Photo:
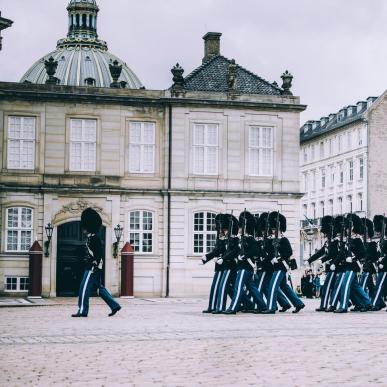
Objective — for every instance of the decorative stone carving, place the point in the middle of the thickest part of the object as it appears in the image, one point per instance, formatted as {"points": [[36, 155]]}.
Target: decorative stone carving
{"points": [[287, 79], [178, 80], [51, 65], [232, 75], [115, 72]]}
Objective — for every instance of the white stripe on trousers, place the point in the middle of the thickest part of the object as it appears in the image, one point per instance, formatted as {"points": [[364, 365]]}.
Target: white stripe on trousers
{"points": [[218, 273], [325, 304], [365, 279], [273, 289], [261, 281], [224, 285], [379, 289], [239, 289], [346, 289], [338, 289], [84, 291]]}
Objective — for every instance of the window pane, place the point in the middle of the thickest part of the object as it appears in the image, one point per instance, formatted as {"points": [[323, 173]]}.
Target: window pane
{"points": [[254, 161], [198, 159], [12, 240], [27, 157], [14, 153], [24, 282], [149, 133], [14, 127], [90, 130], [199, 221], [89, 156], [254, 137], [29, 128], [134, 220], [148, 159], [13, 217], [134, 240], [266, 161], [212, 160], [25, 243], [211, 221], [212, 135], [75, 130], [26, 218], [147, 243], [147, 221], [134, 158], [210, 244], [75, 156], [198, 135], [198, 243], [266, 137], [135, 133]]}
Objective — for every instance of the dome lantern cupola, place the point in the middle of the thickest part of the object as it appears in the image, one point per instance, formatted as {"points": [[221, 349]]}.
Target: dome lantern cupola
{"points": [[83, 59]]}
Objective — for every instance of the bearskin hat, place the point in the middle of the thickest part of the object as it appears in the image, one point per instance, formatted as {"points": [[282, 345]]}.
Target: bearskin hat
{"points": [[357, 224], [91, 220], [339, 224], [378, 222], [227, 220], [257, 227], [261, 224], [218, 221], [326, 225], [247, 222], [273, 216], [369, 227]]}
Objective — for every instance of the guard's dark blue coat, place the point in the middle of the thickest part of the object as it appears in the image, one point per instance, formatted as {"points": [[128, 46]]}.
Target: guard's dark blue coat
{"points": [[249, 249], [217, 252], [327, 253], [284, 253], [94, 252], [230, 257], [371, 257]]}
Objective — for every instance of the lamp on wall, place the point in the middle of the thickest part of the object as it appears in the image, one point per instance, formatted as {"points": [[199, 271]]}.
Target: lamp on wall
{"points": [[118, 232], [48, 230]]}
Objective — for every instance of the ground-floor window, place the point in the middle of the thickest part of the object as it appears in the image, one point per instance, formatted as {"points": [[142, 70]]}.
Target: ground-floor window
{"points": [[141, 231], [204, 232], [16, 284]]}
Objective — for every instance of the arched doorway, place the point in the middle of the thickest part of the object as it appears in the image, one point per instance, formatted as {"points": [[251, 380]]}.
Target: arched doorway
{"points": [[69, 268]]}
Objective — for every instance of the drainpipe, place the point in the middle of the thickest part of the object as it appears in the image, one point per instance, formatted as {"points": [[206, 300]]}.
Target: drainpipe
{"points": [[169, 198]]}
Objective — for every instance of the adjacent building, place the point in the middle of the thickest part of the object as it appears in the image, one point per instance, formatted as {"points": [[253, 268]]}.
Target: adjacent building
{"points": [[81, 130], [4, 23], [342, 166]]}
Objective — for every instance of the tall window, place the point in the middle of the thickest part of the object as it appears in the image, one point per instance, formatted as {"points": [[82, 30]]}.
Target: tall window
{"points": [[359, 137], [330, 206], [321, 150], [361, 168], [305, 155], [18, 229], [330, 147], [341, 173], [349, 140], [322, 178], [205, 149], [351, 170], [340, 203], [332, 174], [142, 147], [349, 203], [83, 145], [340, 143], [322, 208], [314, 180], [312, 153], [360, 201], [260, 151], [313, 206], [204, 232], [141, 231], [305, 182], [21, 142]]}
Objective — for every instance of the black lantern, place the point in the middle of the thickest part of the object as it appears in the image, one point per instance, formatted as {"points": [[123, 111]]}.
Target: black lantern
{"points": [[48, 230], [118, 232]]}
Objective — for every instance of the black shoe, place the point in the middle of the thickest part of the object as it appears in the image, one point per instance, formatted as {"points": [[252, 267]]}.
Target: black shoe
{"points": [[216, 312], [356, 309], [299, 308], [207, 311], [78, 315], [229, 312], [364, 309], [330, 309], [341, 310], [320, 310], [268, 311], [114, 311], [375, 309], [284, 309]]}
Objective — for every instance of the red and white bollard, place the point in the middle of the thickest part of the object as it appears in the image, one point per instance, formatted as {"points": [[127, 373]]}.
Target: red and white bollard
{"points": [[35, 271], [127, 273]]}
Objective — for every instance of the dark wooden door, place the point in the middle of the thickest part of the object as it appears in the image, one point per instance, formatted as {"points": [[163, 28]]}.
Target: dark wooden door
{"points": [[69, 267]]}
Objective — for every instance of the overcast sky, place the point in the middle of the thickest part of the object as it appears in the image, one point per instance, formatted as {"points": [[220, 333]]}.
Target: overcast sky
{"points": [[336, 49]]}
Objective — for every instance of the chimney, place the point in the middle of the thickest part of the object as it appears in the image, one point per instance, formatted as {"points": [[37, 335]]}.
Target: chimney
{"points": [[211, 45]]}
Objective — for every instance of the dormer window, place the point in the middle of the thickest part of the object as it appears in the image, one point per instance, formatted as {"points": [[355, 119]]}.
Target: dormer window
{"points": [[90, 82]]}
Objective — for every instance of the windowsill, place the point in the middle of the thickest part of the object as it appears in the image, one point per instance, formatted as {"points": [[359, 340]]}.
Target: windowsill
{"points": [[19, 170], [196, 257]]}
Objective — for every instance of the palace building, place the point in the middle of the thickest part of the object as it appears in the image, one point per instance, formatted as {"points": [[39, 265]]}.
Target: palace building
{"points": [[342, 166], [80, 130]]}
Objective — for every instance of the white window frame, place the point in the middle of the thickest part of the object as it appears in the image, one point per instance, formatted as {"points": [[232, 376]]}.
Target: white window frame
{"points": [[350, 170], [19, 229], [18, 284], [22, 141], [361, 168], [204, 233], [260, 148], [322, 150], [83, 141], [144, 145], [323, 178], [360, 201], [141, 231], [206, 146]]}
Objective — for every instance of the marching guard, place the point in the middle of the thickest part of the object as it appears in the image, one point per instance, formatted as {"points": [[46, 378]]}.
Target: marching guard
{"points": [[91, 223]]}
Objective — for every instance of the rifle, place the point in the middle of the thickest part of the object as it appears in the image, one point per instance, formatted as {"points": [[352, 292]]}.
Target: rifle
{"points": [[381, 242], [349, 236], [275, 240]]}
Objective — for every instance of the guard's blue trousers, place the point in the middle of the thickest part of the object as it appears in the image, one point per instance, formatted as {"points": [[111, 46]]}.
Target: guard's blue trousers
{"points": [[351, 288], [245, 278], [278, 280], [262, 281], [367, 283], [327, 289], [214, 290], [381, 280], [335, 295], [90, 279]]}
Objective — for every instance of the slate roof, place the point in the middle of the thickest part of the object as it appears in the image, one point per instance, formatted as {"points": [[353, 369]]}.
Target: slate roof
{"points": [[336, 121], [212, 76]]}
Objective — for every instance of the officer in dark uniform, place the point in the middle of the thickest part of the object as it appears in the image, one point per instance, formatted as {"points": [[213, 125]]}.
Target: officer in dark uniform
{"points": [[327, 252], [217, 252], [265, 268], [355, 254], [370, 264], [228, 261], [281, 263], [380, 223], [246, 265], [90, 224]]}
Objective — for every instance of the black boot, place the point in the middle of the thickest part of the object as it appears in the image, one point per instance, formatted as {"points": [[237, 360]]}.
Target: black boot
{"points": [[284, 309], [78, 315], [114, 311], [320, 310], [228, 311], [299, 308], [331, 309], [341, 310], [268, 311], [207, 311]]}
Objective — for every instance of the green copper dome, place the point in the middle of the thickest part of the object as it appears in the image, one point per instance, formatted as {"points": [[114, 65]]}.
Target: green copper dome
{"points": [[83, 59]]}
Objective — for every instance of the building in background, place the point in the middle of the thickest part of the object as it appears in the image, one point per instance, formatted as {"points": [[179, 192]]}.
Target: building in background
{"points": [[4, 23], [342, 167], [80, 130]]}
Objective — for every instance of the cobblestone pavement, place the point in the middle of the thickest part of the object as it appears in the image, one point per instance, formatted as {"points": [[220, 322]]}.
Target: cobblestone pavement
{"points": [[169, 342]]}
